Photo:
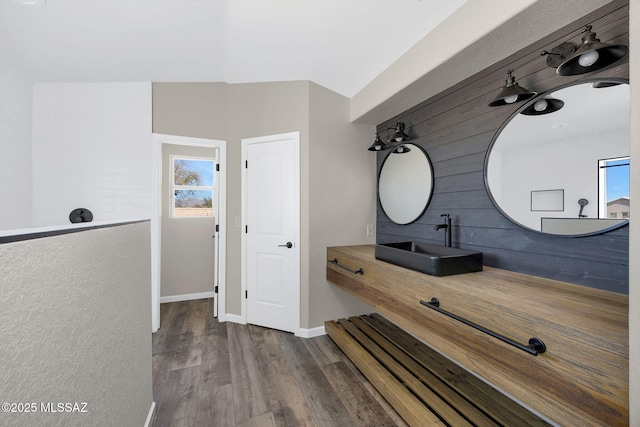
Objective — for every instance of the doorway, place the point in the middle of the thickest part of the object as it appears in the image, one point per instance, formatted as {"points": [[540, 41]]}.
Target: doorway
{"points": [[271, 235], [188, 222]]}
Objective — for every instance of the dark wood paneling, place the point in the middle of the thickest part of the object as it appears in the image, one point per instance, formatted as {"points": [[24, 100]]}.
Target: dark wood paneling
{"points": [[456, 127]]}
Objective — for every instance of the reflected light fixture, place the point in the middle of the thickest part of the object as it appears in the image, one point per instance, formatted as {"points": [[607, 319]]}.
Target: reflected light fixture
{"points": [[511, 92], [591, 55], [401, 149], [544, 105], [378, 144], [604, 84]]}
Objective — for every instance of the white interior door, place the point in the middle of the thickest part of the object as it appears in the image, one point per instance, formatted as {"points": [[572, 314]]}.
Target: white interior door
{"points": [[272, 217]]}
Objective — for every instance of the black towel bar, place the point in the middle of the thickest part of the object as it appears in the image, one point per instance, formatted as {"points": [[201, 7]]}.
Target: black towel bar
{"points": [[535, 347], [335, 262]]}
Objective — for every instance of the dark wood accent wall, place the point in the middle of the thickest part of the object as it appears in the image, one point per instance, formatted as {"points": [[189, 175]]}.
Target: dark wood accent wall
{"points": [[456, 127]]}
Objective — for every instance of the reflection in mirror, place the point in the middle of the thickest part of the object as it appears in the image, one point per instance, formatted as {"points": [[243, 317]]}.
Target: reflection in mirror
{"points": [[405, 184], [566, 172]]}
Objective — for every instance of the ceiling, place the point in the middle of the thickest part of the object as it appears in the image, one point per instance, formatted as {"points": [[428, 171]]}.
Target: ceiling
{"points": [[339, 44]]}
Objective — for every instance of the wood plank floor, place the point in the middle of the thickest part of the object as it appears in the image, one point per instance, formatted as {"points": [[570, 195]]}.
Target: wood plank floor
{"points": [[207, 373]]}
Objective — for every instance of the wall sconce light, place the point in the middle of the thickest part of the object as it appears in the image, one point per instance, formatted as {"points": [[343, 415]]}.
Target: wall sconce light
{"points": [[392, 142], [591, 55], [544, 105], [378, 144], [511, 92], [398, 135]]}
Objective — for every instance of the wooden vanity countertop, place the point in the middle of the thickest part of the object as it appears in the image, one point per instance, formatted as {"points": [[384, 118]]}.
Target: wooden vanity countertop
{"points": [[581, 380]]}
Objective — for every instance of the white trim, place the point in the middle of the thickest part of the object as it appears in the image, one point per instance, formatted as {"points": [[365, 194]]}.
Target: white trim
{"points": [[156, 200], [187, 297], [243, 236], [311, 333], [233, 318], [150, 415], [243, 258]]}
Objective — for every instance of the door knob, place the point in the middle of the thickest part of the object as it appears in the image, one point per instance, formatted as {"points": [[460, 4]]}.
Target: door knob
{"points": [[288, 245]]}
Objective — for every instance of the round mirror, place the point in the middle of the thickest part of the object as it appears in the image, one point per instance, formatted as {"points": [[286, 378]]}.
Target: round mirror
{"points": [[560, 164], [405, 183]]}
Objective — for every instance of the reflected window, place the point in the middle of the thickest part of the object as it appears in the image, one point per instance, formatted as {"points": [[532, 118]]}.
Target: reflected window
{"points": [[192, 186], [613, 184]]}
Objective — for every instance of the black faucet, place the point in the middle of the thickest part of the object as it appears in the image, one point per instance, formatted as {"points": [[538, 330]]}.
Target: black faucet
{"points": [[447, 229]]}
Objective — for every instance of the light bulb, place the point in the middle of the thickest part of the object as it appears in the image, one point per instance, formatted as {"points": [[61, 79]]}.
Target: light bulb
{"points": [[400, 149], [377, 147], [540, 105], [399, 139], [588, 58], [511, 99]]}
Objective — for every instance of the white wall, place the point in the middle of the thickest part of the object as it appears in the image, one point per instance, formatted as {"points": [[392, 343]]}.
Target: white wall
{"points": [[91, 149], [15, 148]]}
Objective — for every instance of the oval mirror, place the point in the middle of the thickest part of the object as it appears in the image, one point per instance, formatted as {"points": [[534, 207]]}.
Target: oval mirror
{"points": [[560, 164], [405, 183]]}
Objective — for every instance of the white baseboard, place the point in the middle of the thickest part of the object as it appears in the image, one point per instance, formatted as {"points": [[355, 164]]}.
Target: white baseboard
{"points": [[311, 333], [301, 332], [152, 410], [233, 318], [187, 297]]}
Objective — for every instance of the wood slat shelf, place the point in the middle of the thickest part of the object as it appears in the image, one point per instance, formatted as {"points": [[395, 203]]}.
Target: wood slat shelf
{"points": [[425, 387], [581, 379]]}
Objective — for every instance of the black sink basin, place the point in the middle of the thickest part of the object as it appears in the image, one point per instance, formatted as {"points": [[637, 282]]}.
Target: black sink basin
{"points": [[431, 259]]}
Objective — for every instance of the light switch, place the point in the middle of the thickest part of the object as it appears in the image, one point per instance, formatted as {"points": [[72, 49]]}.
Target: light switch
{"points": [[370, 230]]}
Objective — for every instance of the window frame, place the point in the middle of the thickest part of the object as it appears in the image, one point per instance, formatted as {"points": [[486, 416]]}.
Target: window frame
{"points": [[602, 184], [174, 188]]}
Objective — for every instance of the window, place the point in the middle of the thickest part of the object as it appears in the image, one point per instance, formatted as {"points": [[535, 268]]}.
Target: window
{"points": [[613, 186], [192, 187]]}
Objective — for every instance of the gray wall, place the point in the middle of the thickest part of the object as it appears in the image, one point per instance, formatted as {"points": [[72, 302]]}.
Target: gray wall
{"points": [[334, 171], [75, 316], [257, 109], [199, 110], [341, 199], [456, 127]]}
